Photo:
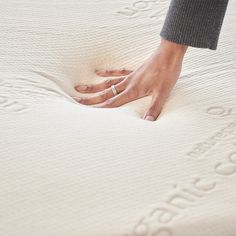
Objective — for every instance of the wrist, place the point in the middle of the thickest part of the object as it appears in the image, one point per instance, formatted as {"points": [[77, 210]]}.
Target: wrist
{"points": [[168, 56], [170, 53], [172, 48]]}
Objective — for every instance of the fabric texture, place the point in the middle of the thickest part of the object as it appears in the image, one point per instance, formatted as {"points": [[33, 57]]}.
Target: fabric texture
{"points": [[195, 23]]}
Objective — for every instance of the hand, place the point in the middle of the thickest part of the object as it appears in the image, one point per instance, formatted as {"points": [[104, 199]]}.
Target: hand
{"points": [[156, 77]]}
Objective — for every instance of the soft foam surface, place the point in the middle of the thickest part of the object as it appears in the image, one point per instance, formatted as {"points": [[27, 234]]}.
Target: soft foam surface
{"points": [[72, 170]]}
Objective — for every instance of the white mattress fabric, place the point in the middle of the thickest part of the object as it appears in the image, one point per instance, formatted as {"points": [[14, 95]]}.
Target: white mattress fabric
{"points": [[68, 169]]}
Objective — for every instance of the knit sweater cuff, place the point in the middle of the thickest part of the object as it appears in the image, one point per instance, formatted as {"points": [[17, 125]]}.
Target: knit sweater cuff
{"points": [[195, 23]]}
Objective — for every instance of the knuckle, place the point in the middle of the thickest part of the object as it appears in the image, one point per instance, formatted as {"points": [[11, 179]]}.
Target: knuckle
{"points": [[108, 82], [128, 78], [133, 92], [123, 70], [83, 100], [104, 94], [126, 81], [109, 102], [108, 72], [88, 88]]}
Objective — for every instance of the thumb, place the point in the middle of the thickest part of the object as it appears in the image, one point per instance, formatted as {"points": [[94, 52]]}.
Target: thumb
{"points": [[154, 109]]}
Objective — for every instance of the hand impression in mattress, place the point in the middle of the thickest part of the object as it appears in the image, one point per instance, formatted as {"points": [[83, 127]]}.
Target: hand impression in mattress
{"points": [[156, 77]]}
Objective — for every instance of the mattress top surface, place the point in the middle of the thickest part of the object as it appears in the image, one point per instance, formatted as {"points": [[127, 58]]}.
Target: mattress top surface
{"points": [[69, 169]]}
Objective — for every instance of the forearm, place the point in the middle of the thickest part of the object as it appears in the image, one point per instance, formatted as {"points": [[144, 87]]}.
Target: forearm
{"points": [[194, 23]]}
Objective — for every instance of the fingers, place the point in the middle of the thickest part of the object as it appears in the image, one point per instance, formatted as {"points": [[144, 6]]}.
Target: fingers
{"points": [[103, 96], [155, 108], [118, 100], [94, 88], [108, 73]]}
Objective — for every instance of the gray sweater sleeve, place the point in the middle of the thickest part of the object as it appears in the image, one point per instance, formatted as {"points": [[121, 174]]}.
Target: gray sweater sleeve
{"points": [[195, 23]]}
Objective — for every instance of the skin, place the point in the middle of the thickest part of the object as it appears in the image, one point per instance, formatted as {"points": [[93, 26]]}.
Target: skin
{"points": [[156, 77]]}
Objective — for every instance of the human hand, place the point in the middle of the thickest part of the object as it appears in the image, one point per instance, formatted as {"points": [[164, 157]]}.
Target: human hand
{"points": [[156, 77]]}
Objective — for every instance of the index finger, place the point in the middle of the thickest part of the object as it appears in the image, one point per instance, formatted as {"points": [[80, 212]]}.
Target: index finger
{"points": [[108, 73]]}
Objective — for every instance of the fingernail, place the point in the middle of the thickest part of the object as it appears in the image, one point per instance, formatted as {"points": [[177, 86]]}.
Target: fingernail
{"points": [[82, 87], [151, 118]]}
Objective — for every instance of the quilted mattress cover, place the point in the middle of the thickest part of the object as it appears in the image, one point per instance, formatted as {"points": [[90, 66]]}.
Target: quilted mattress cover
{"points": [[72, 170]]}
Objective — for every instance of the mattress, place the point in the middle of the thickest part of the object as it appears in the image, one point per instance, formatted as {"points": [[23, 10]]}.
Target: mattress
{"points": [[73, 170]]}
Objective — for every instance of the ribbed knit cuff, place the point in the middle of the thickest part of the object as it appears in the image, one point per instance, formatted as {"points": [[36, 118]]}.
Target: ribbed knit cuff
{"points": [[195, 23]]}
